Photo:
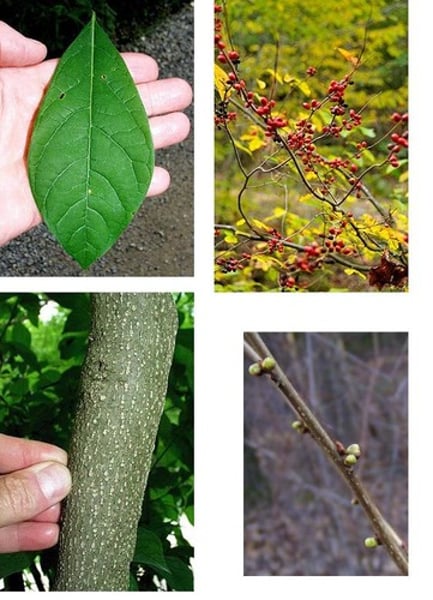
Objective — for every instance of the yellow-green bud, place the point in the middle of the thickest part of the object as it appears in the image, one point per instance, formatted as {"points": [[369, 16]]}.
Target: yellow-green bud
{"points": [[354, 449], [255, 369], [350, 460], [268, 364], [370, 542], [299, 426]]}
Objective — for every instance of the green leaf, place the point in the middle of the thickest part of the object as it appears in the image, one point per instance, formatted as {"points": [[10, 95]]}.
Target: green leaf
{"points": [[91, 155], [15, 562], [181, 578], [368, 132], [148, 551], [19, 387], [21, 335]]}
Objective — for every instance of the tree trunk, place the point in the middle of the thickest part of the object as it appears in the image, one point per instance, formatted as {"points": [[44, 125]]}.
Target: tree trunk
{"points": [[123, 387]]}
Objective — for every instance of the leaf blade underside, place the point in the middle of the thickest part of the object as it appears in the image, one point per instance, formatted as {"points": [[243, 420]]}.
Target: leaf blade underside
{"points": [[91, 155]]}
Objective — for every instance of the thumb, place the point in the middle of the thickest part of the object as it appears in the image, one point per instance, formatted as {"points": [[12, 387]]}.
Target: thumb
{"points": [[18, 51], [26, 493]]}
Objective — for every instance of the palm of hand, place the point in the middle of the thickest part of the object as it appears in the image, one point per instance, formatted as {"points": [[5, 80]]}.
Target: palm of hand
{"points": [[21, 90]]}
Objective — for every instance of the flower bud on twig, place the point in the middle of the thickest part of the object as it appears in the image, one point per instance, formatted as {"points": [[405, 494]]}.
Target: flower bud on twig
{"points": [[255, 369], [350, 460], [268, 364], [354, 449], [299, 427]]}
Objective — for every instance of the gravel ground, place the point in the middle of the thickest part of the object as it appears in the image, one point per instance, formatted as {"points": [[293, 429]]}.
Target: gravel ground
{"points": [[159, 241]]}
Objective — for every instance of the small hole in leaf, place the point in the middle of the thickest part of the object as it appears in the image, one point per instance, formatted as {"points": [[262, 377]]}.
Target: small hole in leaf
{"points": [[62, 95], [103, 77]]}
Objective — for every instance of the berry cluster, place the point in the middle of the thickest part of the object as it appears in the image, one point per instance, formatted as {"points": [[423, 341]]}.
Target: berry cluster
{"points": [[398, 141], [334, 243], [229, 265], [307, 139], [232, 264], [223, 115], [275, 243], [223, 56]]}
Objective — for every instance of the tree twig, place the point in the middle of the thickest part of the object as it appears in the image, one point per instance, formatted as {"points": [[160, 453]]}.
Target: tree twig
{"points": [[256, 350]]}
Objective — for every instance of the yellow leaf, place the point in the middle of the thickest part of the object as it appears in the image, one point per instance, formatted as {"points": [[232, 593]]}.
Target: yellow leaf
{"points": [[220, 78], [305, 88], [265, 262], [294, 82], [254, 139], [275, 75], [230, 237], [260, 224], [256, 143], [279, 212], [355, 272], [288, 78], [243, 148], [304, 197], [348, 56], [260, 84]]}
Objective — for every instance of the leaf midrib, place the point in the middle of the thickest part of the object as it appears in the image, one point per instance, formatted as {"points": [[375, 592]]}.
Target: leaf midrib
{"points": [[92, 73]]}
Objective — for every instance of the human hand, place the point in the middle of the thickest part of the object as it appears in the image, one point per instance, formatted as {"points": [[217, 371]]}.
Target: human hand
{"points": [[23, 77], [33, 481]]}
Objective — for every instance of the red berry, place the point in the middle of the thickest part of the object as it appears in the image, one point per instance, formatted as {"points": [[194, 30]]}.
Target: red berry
{"points": [[233, 55]]}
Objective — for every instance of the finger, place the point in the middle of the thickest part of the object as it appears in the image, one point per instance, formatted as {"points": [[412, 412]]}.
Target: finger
{"points": [[28, 536], [51, 515], [29, 492], [143, 68], [18, 51], [169, 129], [160, 182], [165, 96], [17, 453]]}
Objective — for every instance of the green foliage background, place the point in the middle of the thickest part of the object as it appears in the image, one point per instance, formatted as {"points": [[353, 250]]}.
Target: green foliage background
{"points": [[40, 362], [309, 33], [277, 42]]}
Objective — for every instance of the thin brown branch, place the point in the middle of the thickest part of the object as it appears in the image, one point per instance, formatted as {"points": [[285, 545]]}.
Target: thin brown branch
{"points": [[256, 350], [263, 237]]}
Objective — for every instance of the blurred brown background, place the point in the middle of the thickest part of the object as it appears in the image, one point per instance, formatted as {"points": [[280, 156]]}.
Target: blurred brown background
{"points": [[299, 519]]}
